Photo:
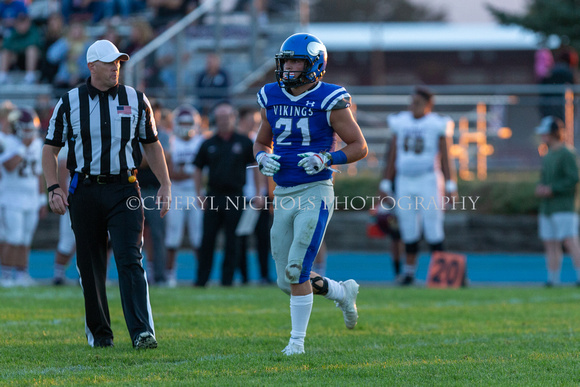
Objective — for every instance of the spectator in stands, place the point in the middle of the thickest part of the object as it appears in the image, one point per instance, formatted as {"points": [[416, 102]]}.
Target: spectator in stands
{"points": [[53, 31], [122, 8], [112, 33], [9, 11], [141, 34], [21, 48], [83, 10], [557, 189], [255, 192], [69, 52], [166, 11], [562, 73], [212, 84]]}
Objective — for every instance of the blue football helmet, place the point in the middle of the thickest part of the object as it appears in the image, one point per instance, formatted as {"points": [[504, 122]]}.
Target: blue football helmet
{"points": [[301, 46]]}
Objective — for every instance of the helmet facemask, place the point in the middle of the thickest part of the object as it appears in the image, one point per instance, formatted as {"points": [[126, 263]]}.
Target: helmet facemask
{"points": [[25, 123], [186, 121], [291, 78]]}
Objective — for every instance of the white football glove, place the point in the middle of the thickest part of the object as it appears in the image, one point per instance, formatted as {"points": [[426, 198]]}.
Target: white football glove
{"points": [[313, 162], [267, 162]]}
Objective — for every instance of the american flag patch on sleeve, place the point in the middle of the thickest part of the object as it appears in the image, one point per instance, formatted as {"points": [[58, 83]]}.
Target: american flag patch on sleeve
{"points": [[123, 109]]}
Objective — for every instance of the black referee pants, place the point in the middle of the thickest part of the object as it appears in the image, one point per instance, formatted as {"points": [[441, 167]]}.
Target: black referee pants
{"points": [[219, 213], [96, 209]]}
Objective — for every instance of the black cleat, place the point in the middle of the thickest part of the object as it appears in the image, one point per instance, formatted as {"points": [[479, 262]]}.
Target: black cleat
{"points": [[145, 340], [406, 280]]}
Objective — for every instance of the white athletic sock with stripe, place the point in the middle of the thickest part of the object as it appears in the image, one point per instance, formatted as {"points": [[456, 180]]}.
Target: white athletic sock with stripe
{"points": [[300, 309], [335, 290]]}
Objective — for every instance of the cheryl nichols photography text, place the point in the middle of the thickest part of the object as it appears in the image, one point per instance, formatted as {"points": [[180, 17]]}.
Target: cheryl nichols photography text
{"points": [[357, 203]]}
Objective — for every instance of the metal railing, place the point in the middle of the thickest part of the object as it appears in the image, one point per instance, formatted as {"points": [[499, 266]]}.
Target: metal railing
{"points": [[134, 68]]}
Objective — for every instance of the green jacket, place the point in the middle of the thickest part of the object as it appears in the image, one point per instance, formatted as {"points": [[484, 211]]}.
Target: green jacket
{"points": [[560, 172]]}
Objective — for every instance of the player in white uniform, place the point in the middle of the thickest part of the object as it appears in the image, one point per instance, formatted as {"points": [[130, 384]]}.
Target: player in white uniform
{"points": [[295, 145], [423, 172], [22, 195], [184, 145], [66, 237]]}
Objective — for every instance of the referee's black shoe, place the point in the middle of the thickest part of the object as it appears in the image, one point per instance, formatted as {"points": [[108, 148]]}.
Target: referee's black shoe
{"points": [[104, 343]]}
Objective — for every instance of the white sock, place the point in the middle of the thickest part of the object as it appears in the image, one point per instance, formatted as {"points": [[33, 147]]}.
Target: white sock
{"points": [[335, 290], [554, 276], [300, 309], [409, 269], [59, 270]]}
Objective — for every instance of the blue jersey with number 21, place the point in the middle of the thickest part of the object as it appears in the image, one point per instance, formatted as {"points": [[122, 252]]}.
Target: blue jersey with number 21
{"points": [[301, 124]]}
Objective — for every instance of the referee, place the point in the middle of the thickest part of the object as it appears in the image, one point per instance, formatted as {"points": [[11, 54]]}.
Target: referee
{"points": [[103, 123]]}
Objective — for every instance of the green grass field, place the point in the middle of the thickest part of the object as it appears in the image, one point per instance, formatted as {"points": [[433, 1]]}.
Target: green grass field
{"points": [[233, 337]]}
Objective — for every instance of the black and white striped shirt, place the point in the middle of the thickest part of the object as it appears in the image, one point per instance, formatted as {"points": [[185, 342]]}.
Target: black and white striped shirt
{"points": [[103, 129]]}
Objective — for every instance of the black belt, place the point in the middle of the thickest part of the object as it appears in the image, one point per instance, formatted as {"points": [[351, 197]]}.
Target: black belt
{"points": [[123, 177], [105, 179]]}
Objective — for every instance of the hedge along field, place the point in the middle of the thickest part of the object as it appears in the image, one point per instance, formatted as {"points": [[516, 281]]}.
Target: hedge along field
{"points": [[508, 193], [218, 336]]}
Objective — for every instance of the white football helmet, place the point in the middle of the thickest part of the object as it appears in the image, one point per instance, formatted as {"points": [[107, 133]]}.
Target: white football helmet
{"points": [[24, 123], [186, 121]]}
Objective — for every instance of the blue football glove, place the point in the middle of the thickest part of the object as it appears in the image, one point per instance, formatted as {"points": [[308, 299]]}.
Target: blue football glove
{"points": [[268, 164], [313, 162]]}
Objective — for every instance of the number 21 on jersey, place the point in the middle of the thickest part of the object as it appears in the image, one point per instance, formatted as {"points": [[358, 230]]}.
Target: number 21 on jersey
{"points": [[286, 126]]}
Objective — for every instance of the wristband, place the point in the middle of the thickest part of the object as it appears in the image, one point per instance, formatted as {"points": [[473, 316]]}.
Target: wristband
{"points": [[338, 157], [53, 187]]}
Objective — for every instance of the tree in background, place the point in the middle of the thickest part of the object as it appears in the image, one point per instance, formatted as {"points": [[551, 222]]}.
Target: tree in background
{"points": [[548, 17], [373, 10]]}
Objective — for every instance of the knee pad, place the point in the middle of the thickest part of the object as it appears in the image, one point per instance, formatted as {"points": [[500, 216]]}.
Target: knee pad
{"points": [[436, 246], [322, 290], [412, 248], [293, 273]]}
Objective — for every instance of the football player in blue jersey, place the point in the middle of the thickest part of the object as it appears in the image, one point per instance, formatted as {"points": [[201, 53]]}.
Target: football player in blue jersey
{"points": [[295, 145]]}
